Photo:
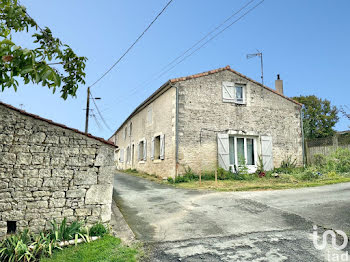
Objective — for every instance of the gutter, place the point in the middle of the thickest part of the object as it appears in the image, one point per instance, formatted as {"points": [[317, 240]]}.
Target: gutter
{"points": [[177, 131], [302, 134]]}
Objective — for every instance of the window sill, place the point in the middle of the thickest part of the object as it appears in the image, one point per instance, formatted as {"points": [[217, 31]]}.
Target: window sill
{"points": [[142, 162], [234, 102], [157, 161]]}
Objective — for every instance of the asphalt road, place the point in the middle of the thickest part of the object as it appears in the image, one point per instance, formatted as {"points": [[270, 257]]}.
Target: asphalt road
{"points": [[190, 225]]}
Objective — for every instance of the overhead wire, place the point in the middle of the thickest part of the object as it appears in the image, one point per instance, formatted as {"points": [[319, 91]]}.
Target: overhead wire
{"points": [[133, 44]]}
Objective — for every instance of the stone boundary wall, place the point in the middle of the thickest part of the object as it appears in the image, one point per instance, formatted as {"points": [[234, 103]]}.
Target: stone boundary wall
{"points": [[48, 171]]}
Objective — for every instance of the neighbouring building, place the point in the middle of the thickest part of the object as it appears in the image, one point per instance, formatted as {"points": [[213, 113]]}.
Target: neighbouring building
{"points": [[49, 171], [216, 118]]}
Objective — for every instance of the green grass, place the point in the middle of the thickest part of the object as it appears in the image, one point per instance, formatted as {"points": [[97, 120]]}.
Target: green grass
{"points": [[285, 181], [255, 185], [106, 249]]}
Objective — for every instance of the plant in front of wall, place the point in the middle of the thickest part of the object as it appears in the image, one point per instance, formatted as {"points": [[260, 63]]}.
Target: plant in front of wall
{"points": [[260, 170], [63, 231], [98, 230]]}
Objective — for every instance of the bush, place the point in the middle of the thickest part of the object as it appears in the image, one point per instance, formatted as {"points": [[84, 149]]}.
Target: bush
{"points": [[98, 230], [170, 180], [339, 161], [60, 232]]}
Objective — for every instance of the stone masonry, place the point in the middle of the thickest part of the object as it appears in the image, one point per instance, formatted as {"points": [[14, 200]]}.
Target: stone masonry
{"points": [[190, 112], [49, 171]]}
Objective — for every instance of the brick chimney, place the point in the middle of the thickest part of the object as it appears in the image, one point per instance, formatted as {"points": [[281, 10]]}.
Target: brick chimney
{"points": [[279, 85]]}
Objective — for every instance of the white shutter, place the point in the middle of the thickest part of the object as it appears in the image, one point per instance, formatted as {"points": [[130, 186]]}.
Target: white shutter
{"points": [[152, 149], [228, 92], [144, 150], [121, 155], [266, 152], [162, 147], [223, 151], [138, 152]]}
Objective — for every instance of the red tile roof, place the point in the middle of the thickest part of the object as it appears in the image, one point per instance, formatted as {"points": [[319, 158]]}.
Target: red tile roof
{"points": [[56, 124], [174, 80]]}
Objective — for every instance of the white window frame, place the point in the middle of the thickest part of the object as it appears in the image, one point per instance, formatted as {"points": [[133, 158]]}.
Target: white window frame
{"points": [[230, 89], [142, 158], [255, 141]]}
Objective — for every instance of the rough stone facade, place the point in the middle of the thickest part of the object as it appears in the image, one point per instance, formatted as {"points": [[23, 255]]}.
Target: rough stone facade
{"points": [[48, 171], [201, 112], [201, 106]]}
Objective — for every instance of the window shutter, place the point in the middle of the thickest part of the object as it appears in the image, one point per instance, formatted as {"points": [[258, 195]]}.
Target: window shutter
{"points": [[223, 151], [162, 147], [121, 155], [228, 92], [138, 152], [145, 150], [152, 149], [266, 152]]}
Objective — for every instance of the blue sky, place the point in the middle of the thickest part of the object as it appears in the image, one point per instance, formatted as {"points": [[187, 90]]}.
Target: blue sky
{"points": [[306, 42]]}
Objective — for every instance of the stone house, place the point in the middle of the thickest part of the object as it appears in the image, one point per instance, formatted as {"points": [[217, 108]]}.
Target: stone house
{"points": [[49, 171], [216, 118]]}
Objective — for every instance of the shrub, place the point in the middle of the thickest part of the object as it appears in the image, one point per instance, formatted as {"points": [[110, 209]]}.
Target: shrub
{"points": [[320, 160], [339, 160], [60, 232], [98, 230], [170, 180]]}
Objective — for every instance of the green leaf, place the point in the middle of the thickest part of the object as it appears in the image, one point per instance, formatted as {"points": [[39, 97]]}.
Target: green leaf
{"points": [[27, 70]]}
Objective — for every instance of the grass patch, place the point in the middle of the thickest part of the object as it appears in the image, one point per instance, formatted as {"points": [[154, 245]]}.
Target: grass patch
{"points": [[256, 185], [106, 249]]}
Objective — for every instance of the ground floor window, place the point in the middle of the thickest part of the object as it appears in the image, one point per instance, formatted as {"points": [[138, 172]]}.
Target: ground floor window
{"points": [[157, 147], [242, 150]]}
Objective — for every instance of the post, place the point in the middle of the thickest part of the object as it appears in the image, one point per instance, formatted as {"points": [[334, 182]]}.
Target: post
{"points": [[216, 177], [87, 111], [262, 68]]}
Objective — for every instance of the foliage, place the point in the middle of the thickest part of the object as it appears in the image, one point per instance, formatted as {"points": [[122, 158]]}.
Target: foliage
{"points": [[320, 160], [345, 112], [106, 249], [260, 168], [63, 231], [319, 117], [129, 170], [98, 230], [339, 161], [171, 180], [34, 65], [26, 247]]}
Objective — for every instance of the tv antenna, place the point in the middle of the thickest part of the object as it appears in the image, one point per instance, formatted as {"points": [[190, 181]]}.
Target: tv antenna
{"points": [[259, 54]]}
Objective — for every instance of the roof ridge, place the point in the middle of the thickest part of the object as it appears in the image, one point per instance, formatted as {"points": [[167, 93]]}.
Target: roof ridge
{"points": [[57, 124]]}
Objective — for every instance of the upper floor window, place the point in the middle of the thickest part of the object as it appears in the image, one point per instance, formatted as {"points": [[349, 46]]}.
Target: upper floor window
{"points": [[233, 93], [125, 132], [130, 129]]}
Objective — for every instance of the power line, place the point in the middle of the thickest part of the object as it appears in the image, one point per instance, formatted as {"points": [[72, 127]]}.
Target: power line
{"points": [[127, 51], [214, 36], [99, 113], [162, 72]]}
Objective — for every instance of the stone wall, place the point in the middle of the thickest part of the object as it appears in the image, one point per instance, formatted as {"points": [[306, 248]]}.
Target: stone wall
{"points": [[265, 113], [48, 171]]}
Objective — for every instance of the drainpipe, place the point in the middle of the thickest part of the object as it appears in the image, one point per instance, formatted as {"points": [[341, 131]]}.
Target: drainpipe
{"points": [[176, 131], [302, 133]]}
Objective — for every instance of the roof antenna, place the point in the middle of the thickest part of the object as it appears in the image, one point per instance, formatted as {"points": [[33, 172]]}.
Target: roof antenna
{"points": [[260, 54]]}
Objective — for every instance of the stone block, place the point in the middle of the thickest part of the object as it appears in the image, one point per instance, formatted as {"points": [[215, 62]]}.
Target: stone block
{"points": [[7, 158], [38, 138], [57, 202], [85, 178], [99, 194], [76, 193], [24, 159]]}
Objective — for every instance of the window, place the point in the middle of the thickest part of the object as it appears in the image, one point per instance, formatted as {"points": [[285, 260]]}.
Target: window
{"points": [[116, 139], [233, 93], [239, 93], [158, 147], [142, 150], [242, 150], [130, 129], [125, 132]]}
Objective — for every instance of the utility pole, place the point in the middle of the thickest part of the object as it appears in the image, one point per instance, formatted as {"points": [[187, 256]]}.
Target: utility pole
{"points": [[259, 54], [88, 109]]}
